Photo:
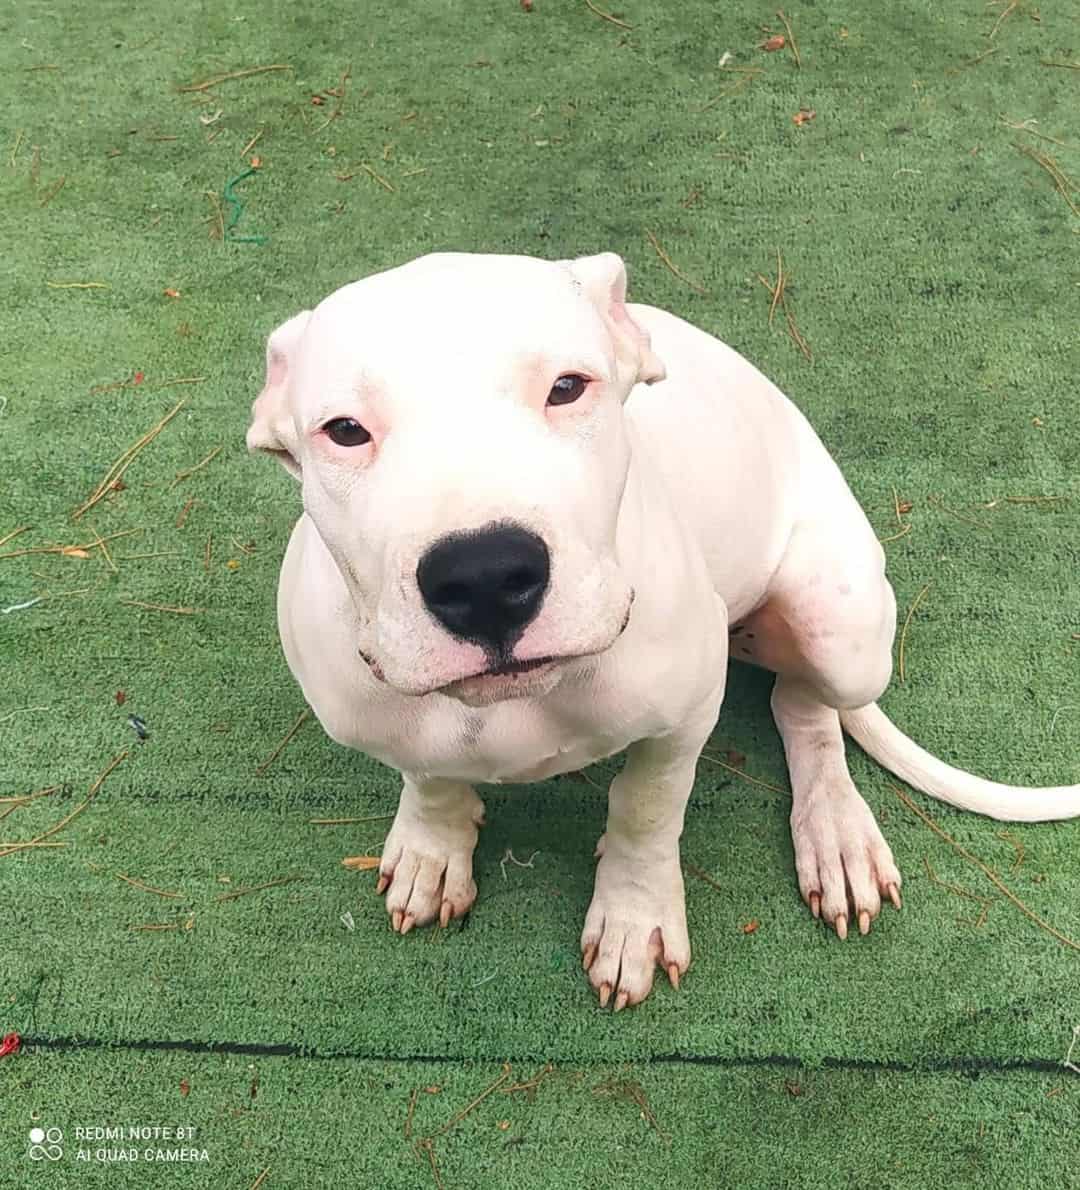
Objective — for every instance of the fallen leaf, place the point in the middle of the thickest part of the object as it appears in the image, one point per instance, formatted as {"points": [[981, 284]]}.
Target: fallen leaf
{"points": [[121, 698], [317, 100], [185, 1088], [504, 1124], [804, 116], [74, 551], [361, 863], [232, 564], [526, 5], [751, 927], [256, 162], [138, 377], [904, 506], [735, 758], [773, 44], [793, 1089]]}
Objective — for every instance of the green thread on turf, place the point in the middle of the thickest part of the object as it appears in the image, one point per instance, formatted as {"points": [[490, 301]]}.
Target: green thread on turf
{"points": [[237, 205]]}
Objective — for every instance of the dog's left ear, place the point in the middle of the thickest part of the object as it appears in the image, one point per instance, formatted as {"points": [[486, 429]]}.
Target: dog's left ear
{"points": [[271, 426], [603, 278]]}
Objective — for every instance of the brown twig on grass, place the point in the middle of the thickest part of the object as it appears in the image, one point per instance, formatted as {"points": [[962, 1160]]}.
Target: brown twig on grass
{"points": [[903, 632], [243, 892], [71, 551], [217, 218], [1009, 9], [184, 512], [530, 1085], [1017, 846], [409, 1114], [176, 381], [426, 1146], [78, 809], [1062, 182], [161, 607], [938, 502], [1026, 126], [895, 536], [745, 776], [635, 1093], [261, 1178], [206, 84], [745, 75], [251, 144], [778, 293], [23, 799], [301, 719], [338, 93], [125, 460], [955, 889], [456, 1119], [361, 863], [972, 61], [147, 887], [182, 475], [378, 177], [791, 39], [694, 870], [52, 192], [606, 15], [987, 871], [1064, 65], [673, 268], [14, 533]]}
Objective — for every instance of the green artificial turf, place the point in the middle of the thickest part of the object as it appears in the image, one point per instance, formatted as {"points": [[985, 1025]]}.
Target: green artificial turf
{"points": [[343, 1122], [931, 269]]}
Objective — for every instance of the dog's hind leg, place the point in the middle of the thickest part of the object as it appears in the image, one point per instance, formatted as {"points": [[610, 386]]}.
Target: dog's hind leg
{"points": [[826, 629]]}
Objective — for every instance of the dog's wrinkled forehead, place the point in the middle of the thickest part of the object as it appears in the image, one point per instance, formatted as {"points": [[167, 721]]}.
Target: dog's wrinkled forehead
{"points": [[452, 315]]}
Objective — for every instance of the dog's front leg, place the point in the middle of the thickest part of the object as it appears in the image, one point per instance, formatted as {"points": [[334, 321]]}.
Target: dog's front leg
{"points": [[426, 865], [638, 913]]}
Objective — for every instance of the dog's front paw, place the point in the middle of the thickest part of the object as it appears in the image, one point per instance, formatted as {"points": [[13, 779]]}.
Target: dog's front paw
{"points": [[637, 919], [426, 865], [843, 863]]}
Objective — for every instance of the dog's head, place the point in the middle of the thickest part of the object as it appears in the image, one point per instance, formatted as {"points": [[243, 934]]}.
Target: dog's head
{"points": [[457, 426]]}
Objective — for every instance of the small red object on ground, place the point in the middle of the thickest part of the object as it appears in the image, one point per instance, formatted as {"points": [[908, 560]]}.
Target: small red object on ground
{"points": [[10, 1045]]}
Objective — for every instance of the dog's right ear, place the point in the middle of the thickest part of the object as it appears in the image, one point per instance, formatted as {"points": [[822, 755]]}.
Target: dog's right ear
{"points": [[271, 426]]}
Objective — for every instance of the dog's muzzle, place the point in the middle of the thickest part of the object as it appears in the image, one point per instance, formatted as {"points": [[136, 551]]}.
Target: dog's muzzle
{"points": [[486, 585]]}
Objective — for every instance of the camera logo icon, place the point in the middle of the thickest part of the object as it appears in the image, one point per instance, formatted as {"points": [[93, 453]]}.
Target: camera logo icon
{"points": [[45, 1144]]}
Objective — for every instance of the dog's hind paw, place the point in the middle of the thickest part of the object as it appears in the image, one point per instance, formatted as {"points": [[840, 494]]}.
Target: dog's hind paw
{"points": [[844, 865]]}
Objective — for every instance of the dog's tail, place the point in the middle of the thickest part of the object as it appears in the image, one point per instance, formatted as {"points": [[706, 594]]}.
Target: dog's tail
{"points": [[876, 734]]}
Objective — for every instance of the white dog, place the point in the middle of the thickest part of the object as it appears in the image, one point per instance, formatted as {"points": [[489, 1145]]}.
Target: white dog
{"points": [[536, 519]]}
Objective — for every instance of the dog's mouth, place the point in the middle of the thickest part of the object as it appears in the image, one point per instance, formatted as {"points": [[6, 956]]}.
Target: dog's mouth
{"points": [[510, 668], [506, 676]]}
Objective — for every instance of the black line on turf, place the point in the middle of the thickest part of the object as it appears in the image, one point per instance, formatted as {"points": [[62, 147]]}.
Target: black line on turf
{"points": [[972, 1066]]}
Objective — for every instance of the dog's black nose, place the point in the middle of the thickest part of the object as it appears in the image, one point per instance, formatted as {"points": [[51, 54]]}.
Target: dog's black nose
{"points": [[485, 585]]}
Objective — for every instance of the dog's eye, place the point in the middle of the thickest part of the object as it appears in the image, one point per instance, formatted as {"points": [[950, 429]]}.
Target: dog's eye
{"points": [[346, 432], [567, 389]]}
